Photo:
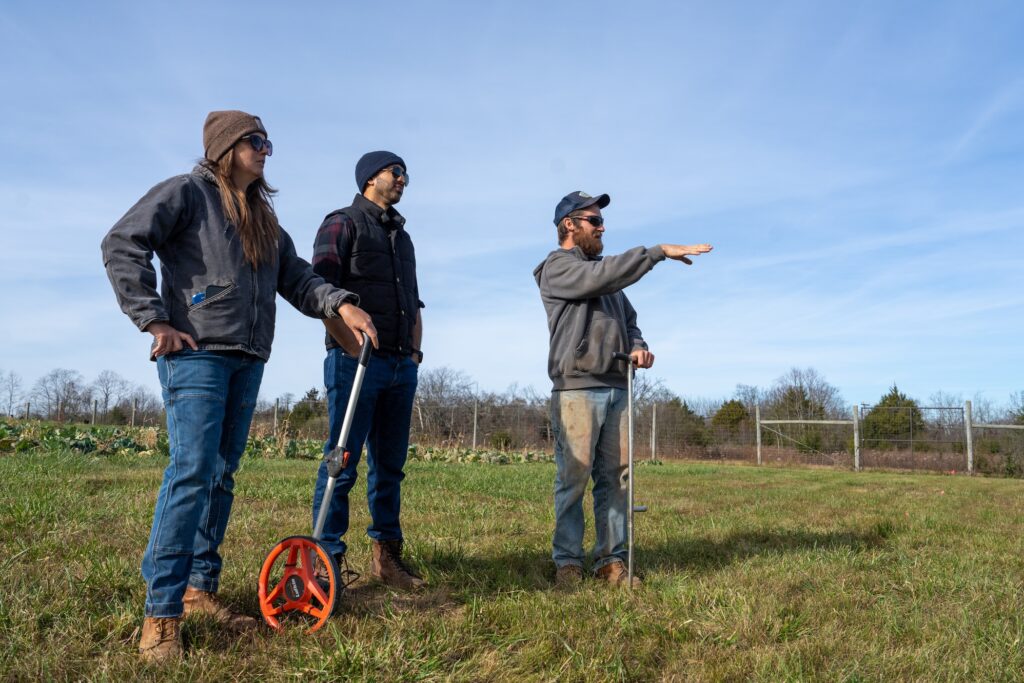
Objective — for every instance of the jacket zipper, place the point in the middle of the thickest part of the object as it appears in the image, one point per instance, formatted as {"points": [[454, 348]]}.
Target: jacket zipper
{"points": [[255, 307]]}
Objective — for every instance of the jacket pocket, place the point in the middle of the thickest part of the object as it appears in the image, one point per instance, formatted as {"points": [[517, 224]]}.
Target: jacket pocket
{"points": [[594, 353], [223, 316], [212, 293]]}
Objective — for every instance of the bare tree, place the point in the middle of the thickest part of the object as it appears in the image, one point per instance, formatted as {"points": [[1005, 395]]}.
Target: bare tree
{"points": [[750, 396], [804, 394], [63, 393], [444, 386], [648, 389], [1016, 411], [109, 388], [148, 407], [10, 391]]}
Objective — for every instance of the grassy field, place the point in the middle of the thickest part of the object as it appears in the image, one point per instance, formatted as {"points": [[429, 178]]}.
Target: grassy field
{"points": [[751, 574]]}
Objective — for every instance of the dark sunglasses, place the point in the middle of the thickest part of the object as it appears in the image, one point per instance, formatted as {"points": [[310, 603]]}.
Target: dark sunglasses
{"points": [[259, 143], [596, 221], [398, 172]]}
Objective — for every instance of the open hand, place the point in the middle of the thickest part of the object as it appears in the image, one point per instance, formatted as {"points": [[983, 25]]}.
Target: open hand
{"points": [[679, 252]]}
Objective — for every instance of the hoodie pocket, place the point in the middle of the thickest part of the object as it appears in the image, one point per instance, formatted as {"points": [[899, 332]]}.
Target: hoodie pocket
{"points": [[594, 353]]}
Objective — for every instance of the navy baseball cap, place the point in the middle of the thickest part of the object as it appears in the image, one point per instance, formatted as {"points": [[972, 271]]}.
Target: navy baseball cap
{"points": [[578, 200]]}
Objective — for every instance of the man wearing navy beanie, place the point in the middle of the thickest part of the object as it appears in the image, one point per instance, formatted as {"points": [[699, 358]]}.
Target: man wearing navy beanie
{"points": [[366, 246]]}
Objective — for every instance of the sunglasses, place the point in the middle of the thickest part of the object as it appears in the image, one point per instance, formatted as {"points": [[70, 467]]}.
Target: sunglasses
{"points": [[596, 221], [398, 172], [259, 143]]}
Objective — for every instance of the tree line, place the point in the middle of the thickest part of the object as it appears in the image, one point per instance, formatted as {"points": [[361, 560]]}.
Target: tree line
{"points": [[450, 409]]}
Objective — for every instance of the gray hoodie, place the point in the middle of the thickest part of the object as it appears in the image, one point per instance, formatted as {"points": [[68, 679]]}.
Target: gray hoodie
{"points": [[589, 317], [207, 289]]}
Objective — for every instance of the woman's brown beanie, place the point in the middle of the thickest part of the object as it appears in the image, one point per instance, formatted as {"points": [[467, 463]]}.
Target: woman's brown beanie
{"points": [[224, 128]]}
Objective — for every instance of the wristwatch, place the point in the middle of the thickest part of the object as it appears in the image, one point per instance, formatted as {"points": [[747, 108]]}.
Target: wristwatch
{"points": [[418, 355]]}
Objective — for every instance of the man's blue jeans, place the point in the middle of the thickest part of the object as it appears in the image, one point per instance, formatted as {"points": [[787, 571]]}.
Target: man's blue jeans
{"points": [[381, 421], [591, 441], [210, 397]]}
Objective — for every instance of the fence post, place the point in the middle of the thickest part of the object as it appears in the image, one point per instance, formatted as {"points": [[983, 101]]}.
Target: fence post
{"points": [[135, 406], [277, 406], [757, 422], [654, 429], [856, 438], [474, 421], [968, 432], [95, 404], [28, 409]]}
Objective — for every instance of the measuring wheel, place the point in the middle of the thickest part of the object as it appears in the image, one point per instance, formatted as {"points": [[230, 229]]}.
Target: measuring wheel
{"points": [[299, 580]]}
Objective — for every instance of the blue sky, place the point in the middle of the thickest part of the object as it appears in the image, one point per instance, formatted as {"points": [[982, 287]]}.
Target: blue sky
{"points": [[857, 166]]}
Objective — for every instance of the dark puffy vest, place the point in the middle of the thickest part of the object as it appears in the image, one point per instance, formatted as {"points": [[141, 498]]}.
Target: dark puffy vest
{"points": [[382, 271]]}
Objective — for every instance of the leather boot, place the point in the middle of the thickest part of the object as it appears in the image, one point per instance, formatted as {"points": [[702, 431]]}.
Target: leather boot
{"points": [[387, 566], [161, 639], [616, 574], [204, 602]]}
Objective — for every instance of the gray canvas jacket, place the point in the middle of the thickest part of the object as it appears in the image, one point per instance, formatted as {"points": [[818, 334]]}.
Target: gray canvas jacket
{"points": [[589, 317], [207, 289]]}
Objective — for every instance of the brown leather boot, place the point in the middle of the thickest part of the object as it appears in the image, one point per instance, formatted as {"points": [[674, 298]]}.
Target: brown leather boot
{"points": [[387, 566], [161, 639], [569, 576], [616, 574], [204, 602]]}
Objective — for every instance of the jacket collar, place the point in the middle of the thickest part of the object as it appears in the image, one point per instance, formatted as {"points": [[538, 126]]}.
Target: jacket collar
{"points": [[205, 173], [390, 218]]}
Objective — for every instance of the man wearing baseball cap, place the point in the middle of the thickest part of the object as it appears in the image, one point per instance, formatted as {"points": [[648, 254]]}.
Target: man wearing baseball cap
{"points": [[589, 320], [367, 247]]}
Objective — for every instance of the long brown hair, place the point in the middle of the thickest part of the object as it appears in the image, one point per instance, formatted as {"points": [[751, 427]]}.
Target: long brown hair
{"points": [[251, 211]]}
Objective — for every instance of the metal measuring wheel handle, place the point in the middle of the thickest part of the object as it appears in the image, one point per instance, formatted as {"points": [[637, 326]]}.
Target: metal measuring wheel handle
{"points": [[632, 507], [337, 459]]}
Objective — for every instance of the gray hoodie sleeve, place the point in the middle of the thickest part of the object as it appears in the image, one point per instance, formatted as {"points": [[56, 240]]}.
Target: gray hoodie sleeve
{"points": [[128, 248], [569, 277], [304, 289], [633, 333]]}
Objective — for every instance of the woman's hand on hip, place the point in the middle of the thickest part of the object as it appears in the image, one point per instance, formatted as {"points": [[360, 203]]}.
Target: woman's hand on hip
{"points": [[166, 339]]}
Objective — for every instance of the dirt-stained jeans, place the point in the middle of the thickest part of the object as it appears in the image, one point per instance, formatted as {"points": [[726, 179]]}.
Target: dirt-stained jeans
{"points": [[591, 435]]}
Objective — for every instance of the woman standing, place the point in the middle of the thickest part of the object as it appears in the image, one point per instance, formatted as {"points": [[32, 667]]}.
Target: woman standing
{"points": [[223, 259]]}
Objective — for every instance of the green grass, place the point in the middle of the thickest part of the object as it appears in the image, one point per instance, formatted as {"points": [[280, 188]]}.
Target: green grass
{"points": [[751, 574]]}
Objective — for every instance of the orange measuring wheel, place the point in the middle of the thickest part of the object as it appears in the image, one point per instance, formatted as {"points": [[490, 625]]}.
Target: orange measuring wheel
{"points": [[300, 578], [290, 588]]}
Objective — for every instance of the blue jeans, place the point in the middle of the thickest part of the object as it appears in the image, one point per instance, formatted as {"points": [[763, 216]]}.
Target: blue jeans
{"points": [[591, 440], [210, 397], [381, 421]]}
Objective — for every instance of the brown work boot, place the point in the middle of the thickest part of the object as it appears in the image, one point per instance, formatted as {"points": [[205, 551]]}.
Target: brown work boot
{"points": [[387, 566], [161, 639], [568, 576], [346, 575], [204, 602], [616, 574]]}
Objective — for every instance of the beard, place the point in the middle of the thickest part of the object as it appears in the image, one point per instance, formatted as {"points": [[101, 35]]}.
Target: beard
{"points": [[591, 244]]}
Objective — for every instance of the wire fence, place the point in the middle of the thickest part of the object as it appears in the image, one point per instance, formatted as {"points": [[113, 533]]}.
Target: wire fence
{"points": [[931, 438]]}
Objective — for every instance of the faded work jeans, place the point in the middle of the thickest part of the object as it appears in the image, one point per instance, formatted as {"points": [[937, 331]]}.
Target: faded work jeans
{"points": [[381, 421], [591, 436], [210, 397]]}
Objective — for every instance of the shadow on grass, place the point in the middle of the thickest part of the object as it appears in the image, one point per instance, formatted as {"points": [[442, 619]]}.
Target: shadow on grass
{"points": [[711, 554], [532, 569], [457, 577]]}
